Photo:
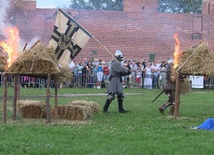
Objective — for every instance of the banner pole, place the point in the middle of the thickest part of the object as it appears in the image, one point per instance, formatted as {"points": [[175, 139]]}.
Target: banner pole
{"points": [[105, 48]]}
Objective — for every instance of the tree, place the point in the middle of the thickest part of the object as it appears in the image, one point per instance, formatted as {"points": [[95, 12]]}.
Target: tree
{"points": [[176, 6], [115, 5], [180, 6]]}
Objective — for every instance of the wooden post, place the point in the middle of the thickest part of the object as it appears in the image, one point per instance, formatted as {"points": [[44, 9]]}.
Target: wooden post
{"points": [[177, 95], [18, 87], [56, 98], [48, 110], [15, 97], [4, 113]]}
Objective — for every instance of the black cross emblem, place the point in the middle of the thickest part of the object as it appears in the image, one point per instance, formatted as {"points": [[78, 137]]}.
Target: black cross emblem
{"points": [[57, 36]]}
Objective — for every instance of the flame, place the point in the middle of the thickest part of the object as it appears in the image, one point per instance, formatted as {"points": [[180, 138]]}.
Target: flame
{"points": [[10, 45], [177, 52]]}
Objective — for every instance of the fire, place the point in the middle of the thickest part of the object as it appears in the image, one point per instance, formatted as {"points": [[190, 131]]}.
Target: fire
{"points": [[177, 52], [10, 45]]}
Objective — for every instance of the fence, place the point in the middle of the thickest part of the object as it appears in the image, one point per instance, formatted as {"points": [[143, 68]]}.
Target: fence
{"points": [[90, 81]]}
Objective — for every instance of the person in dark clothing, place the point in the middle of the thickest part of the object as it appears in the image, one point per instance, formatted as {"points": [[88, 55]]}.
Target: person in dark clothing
{"points": [[169, 90], [115, 82]]}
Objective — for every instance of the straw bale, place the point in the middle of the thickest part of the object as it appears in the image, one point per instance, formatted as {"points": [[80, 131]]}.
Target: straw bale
{"points": [[31, 109], [201, 62], [73, 112], [93, 105], [38, 60]]}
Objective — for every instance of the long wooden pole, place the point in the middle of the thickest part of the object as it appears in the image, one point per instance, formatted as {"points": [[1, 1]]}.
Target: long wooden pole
{"points": [[48, 110], [4, 113], [177, 95], [15, 97], [104, 48], [56, 98]]}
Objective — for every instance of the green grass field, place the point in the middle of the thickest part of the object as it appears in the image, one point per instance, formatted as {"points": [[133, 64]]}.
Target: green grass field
{"points": [[141, 131]]}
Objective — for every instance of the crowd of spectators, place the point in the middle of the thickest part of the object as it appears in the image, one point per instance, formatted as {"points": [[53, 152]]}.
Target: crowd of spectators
{"points": [[94, 74]]}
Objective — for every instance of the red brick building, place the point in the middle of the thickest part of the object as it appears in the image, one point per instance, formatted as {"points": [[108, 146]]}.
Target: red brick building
{"points": [[138, 30]]}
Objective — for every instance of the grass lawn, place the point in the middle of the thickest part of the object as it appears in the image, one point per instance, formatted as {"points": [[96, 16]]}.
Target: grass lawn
{"points": [[141, 131]]}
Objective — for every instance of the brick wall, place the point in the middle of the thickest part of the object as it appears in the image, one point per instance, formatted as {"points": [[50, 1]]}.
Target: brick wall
{"points": [[135, 33]]}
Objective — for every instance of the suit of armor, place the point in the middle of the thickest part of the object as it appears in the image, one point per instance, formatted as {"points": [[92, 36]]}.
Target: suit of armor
{"points": [[115, 84], [169, 89]]}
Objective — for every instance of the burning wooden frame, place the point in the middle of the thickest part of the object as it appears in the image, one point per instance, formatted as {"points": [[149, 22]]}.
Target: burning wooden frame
{"points": [[196, 61], [38, 61]]}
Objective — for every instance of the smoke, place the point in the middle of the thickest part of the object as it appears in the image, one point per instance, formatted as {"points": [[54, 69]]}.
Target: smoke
{"points": [[4, 4], [32, 42]]}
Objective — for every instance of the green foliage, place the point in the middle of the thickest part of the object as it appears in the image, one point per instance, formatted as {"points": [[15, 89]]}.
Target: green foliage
{"points": [[115, 5], [181, 6], [142, 131], [151, 57]]}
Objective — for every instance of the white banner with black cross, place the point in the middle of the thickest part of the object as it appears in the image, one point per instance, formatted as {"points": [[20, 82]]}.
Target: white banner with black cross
{"points": [[68, 38]]}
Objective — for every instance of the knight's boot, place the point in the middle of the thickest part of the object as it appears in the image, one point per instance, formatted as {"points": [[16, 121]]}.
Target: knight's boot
{"points": [[105, 108], [164, 106], [120, 106], [172, 108]]}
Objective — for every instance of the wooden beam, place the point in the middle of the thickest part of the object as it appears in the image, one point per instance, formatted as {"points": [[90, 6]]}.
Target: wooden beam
{"points": [[4, 113], [48, 109], [15, 96], [177, 95]]}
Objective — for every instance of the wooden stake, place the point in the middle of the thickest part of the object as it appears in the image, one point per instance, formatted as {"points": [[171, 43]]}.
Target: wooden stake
{"points": [[18, 87], [48, 110], [4, 113], [56, 98], [177, 95], [15, 97]]}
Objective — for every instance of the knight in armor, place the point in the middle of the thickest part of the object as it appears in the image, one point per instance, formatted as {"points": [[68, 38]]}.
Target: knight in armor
{"points": [[169, 90], [115, 82]]}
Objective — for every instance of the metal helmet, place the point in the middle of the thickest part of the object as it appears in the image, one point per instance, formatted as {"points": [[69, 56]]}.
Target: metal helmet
{"points": [[118, 55]]}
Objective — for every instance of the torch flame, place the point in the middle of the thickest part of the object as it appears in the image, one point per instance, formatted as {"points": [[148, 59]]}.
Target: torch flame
{"points": [[177, 52], [10, 45]]}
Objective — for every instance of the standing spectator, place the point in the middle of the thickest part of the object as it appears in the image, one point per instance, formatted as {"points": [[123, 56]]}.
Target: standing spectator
{"points": [[129, 76], [143, 71], [126, 77], [95, 64], [79, 74], [90, 79], [162, 76], [85, 61], [73, 67], [148, 77], [99, 74], [155, 70], [138, 76], [84, 72], [133, 67], [105, 72]]}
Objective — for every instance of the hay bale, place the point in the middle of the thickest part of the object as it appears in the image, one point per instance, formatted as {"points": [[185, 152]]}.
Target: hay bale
{"points": [[31, 109], [73, 112], [201, 62], [93, 105], [38, 60]]}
